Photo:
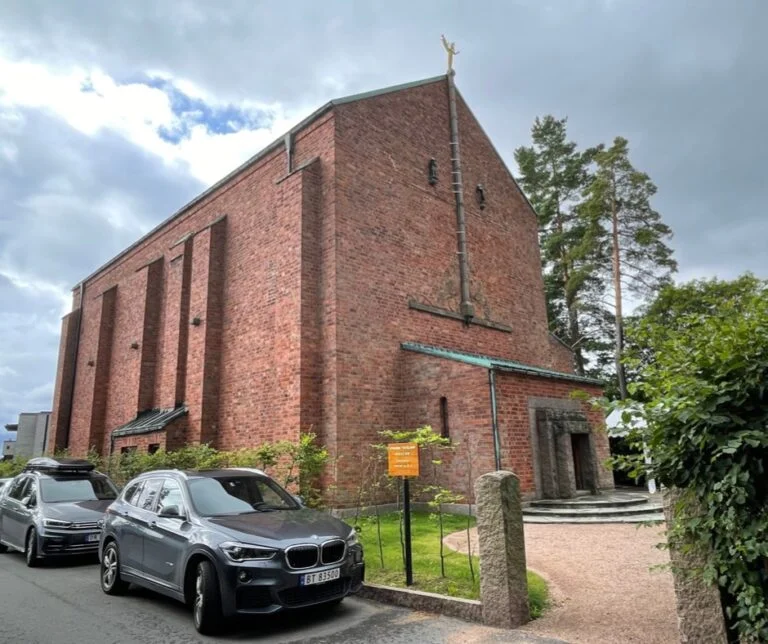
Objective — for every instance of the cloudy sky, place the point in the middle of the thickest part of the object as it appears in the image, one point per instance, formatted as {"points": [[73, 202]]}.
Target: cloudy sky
{"points": [[113, 115]]}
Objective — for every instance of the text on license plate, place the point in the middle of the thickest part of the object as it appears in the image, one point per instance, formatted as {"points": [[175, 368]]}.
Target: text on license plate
{"points": [[92, 537], [320, 577]]}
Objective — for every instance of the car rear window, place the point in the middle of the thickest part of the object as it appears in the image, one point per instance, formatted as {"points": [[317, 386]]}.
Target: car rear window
{"points": [[68, 489]]}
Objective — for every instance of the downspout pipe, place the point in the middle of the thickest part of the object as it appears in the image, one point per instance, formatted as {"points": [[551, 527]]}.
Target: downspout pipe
{"points": [[45, 433], [289, 151], [494, 419], [467, 310], [74, 369]]}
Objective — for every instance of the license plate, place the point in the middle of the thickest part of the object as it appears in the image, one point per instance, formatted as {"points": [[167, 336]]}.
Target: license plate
{"points": [[92, 537], [320, 577]]}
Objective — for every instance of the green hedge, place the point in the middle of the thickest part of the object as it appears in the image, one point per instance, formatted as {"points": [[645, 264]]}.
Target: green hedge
{"points": [[296, 465]]}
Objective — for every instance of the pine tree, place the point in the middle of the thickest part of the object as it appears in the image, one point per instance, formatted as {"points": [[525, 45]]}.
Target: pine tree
{"points": [[554, 174], [632, 245]]}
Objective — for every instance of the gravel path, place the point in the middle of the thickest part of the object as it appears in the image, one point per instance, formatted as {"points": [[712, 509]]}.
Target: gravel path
{"points": [[600, 582]]}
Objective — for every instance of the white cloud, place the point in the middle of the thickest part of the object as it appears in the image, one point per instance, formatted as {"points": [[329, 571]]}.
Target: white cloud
{"points": [[36, 286], [91, 101], [7, 372]]}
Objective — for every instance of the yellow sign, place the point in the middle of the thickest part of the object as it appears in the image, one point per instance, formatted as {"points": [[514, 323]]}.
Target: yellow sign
{"points": [[403, 459]]}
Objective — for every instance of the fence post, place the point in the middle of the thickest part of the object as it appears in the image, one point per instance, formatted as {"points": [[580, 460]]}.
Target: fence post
{"points": [[503, 575], [699, 611]]}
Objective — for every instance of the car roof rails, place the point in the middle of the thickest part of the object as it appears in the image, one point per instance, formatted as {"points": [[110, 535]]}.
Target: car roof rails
{"points": [[59, 465]]}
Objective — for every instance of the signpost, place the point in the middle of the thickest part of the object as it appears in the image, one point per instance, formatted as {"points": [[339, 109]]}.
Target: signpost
{"points": [[403, 461]]}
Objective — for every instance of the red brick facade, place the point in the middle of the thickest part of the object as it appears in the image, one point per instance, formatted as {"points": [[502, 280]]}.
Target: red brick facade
{"points": [[277, 302]]}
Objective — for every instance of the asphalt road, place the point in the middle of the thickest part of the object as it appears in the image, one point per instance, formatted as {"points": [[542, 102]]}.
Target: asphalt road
{"points": [[62, 602]]}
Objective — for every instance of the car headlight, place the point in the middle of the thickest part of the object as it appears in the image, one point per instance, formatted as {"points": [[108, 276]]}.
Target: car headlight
{"points": [[352, 539], [247, 552], [56, 523]]}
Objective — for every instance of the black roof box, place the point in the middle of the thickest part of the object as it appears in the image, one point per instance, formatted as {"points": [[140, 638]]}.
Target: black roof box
{"points": [[59, 465]]}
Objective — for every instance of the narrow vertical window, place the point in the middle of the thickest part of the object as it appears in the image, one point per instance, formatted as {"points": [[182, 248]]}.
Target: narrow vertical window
{"points": [[444, 431]]}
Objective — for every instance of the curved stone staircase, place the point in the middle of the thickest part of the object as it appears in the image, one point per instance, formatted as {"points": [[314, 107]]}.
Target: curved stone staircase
{"points": [[615, 506]]}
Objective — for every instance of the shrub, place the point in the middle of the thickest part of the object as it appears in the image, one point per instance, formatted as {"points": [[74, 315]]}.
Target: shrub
{"points": [[297, 465], [706, 407]]}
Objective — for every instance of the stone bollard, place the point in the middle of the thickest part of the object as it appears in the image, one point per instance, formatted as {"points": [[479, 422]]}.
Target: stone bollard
{"points": [[503, 576], [699, 612]]}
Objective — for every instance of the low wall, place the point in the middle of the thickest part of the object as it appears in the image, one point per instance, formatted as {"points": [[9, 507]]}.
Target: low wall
{"points": [[467, 609]]}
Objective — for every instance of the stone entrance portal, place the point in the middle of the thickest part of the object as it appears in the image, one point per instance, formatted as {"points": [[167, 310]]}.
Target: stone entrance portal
{"points": [[567, 461]]}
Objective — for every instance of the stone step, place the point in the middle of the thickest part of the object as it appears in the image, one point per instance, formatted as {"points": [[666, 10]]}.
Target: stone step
{"points": [[655, 517], [593, 512], [589, 502], [650, 517]]}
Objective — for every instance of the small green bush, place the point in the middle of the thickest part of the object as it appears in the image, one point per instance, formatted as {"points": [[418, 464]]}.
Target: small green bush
{"points": [[296, 465]]}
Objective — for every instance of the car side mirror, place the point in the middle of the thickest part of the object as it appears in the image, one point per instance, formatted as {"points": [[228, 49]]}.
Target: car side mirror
{"points": [[171, 512], [28, 501], [298, 499]]}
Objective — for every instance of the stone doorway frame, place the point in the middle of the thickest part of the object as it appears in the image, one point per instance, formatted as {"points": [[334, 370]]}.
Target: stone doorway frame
{"points": [[552, 422]]}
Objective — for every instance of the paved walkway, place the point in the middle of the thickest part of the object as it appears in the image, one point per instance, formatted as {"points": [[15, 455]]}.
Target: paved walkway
{"points": [[600, 581]]}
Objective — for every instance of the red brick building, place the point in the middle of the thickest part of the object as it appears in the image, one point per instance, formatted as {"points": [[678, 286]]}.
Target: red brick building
{"points": [[318, 286]]}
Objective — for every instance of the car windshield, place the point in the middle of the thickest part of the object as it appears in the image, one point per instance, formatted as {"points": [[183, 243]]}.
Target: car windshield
{"points": [[226, 495], [63, 490]]}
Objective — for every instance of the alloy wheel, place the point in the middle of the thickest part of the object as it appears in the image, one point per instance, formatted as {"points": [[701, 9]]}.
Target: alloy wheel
{"points": [[30, 552], [109, 568], [199, 597]]}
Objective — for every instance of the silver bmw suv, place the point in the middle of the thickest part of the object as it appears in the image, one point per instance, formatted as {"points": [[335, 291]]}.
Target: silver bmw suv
{"points": [[226, 542]]}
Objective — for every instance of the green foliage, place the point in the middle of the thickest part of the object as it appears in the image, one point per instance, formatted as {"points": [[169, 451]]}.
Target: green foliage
{"points": [[297, 465], [456, 582], [630, 235], [11, 467], [706, 407], [553, 174], [427, 487], [620, 192]]}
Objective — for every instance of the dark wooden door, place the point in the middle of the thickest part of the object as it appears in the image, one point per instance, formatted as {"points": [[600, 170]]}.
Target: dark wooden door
{"points": [[580, 447]]}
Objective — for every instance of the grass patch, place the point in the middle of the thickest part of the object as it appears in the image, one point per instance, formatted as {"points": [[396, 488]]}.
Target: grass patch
{"points": [[425, 533]]}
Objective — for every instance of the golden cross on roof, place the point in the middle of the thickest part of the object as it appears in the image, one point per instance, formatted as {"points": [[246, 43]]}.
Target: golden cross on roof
{"points": [[450, 47]]}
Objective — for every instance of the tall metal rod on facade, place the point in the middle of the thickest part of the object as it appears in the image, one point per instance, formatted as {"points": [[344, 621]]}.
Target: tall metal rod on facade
{"points": [[466, 309]]}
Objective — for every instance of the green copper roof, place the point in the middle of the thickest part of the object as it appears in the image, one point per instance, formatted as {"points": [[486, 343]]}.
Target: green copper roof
{"points": [[490, 362], [150, 421]]}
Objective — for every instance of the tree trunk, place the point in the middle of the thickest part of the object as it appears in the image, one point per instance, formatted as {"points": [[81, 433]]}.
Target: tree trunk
{"points": [[573, 331], [620, 375], [570, 305]]}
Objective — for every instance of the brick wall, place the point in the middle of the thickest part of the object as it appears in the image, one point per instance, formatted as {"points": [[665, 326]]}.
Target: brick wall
{"points": [[151, 333], [425, 381], [466, 389], [141, 442], [397, 242], [517, 397], [302, 282], [65, 374], [244, 287]]}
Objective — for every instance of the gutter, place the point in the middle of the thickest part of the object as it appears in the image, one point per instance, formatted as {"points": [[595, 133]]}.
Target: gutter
{"points": [[494, 419]]}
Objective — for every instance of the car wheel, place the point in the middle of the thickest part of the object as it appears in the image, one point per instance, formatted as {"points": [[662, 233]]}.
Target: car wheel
{"points": [[111, 582], [206, 608], [30, 550]]}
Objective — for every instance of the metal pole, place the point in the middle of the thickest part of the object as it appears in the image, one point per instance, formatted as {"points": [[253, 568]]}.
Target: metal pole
{"points": [[494, 419], [407, 522], [467, 309]]}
